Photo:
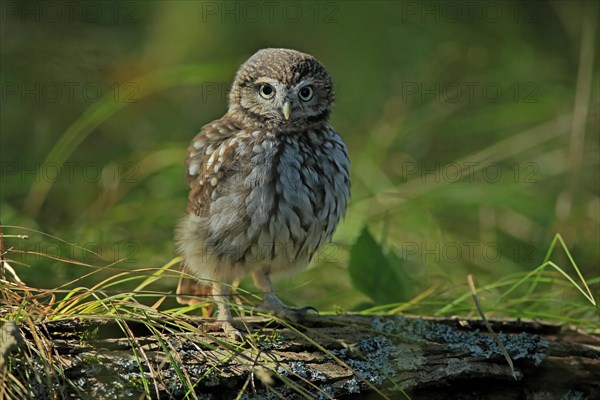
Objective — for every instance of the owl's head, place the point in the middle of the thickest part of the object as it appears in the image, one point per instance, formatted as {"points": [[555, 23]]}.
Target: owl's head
{"points": [[282, 90]]}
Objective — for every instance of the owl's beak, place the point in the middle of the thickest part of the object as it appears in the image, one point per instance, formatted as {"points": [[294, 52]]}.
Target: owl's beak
{"points": [[287, 110]]}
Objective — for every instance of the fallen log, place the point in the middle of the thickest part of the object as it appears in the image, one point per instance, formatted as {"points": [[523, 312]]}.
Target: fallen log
{"points": [[342, 357]]}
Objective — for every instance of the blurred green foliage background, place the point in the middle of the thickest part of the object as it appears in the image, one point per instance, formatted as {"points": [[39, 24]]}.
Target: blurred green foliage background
{"points": [[472, 129]]}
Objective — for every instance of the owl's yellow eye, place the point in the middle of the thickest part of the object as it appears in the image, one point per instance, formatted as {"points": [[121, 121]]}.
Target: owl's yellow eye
{"points": [[306, 93], [266, 91]]}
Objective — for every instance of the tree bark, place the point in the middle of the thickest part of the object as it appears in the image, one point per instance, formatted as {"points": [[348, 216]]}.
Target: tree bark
{"points": [[343, 357]]}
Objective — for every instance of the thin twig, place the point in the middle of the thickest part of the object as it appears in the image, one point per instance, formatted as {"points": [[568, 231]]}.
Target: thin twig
{"points": [[471, 283]]}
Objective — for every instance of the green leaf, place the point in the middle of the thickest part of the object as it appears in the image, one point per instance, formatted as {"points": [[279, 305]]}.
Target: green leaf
{"points": [[377, 274]]}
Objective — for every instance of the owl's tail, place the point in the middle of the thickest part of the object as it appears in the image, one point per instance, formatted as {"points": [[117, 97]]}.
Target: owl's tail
{"points": [[190, 291]]}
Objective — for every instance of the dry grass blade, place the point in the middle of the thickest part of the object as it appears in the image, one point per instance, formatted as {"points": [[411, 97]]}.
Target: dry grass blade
{"points": [[138, 350]]}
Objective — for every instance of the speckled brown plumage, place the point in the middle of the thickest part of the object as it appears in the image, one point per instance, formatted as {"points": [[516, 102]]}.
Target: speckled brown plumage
{"points": [[268, 181]]}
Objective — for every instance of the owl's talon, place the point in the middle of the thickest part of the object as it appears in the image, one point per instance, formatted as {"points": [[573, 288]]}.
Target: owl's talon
{"points": [[228, 327], [280, 310], [305, 310], [232, 332]]}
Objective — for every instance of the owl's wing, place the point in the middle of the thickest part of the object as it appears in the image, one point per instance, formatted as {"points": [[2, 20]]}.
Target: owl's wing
{"points": [[210, 158]]}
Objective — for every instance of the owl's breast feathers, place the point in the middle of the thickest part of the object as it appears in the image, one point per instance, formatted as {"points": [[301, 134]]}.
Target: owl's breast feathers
{"points": [[266, 196]]}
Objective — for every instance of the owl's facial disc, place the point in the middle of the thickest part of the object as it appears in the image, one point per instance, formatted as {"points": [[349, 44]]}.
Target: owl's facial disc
{"points": [[284, 102], [281, 90]]}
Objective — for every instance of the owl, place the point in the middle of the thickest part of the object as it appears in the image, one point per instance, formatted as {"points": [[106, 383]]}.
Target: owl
{"points": [[268, 183]]}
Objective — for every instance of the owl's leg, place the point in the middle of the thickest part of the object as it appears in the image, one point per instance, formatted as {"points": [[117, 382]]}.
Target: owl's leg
{"points": [[221, 294], [272, 304]]}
